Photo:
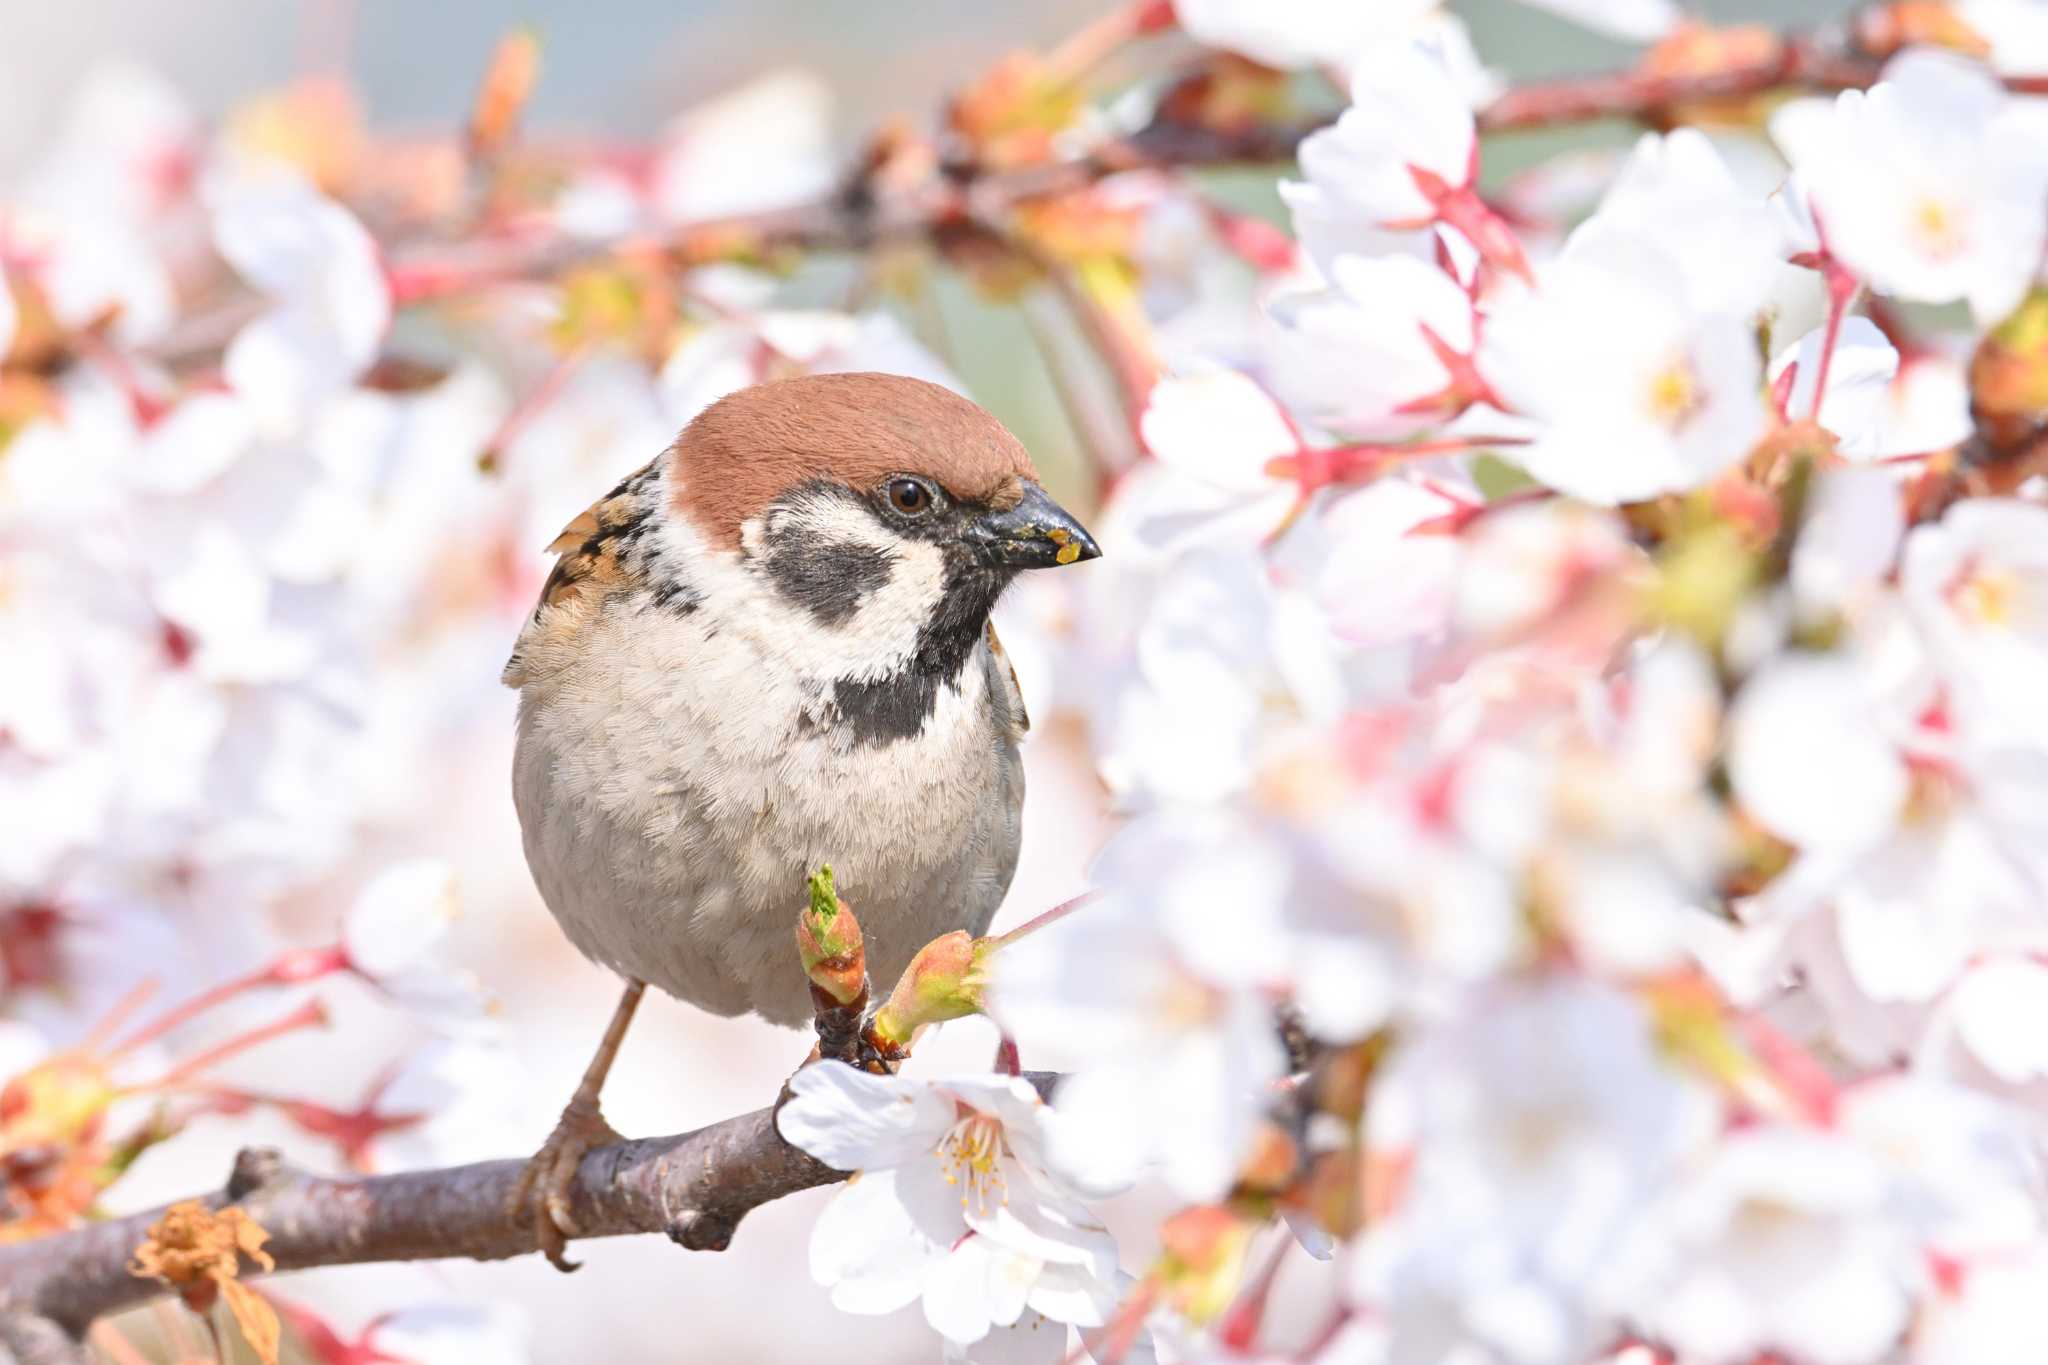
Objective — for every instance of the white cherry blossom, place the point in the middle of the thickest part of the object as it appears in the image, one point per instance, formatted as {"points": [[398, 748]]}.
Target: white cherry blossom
{"points": [[1976, 583], [1860, 372], [1778, 1241], [1157, 990], [1366, 356], [1676, 189], [1660, 406], [761, 146], [1536, 1129], [1296, 33], [952, 1204], [1405, 115], [1928, 186], [331, 302], [1220, 427]]}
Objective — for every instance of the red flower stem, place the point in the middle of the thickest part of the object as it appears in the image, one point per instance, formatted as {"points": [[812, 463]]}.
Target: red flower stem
{"points": [[1239, 1327], [287, 969], [535, 402], [1842, 289], [1095, 42], [1040, 921], [1115, 1339], [104, 1031], [312, 1014]]}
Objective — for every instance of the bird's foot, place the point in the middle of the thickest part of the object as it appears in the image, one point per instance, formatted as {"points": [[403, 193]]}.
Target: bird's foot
{"points": [[544, 1186]]}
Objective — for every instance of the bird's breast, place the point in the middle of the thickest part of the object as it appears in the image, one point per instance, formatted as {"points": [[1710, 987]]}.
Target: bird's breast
{"points": [[678, 783]]}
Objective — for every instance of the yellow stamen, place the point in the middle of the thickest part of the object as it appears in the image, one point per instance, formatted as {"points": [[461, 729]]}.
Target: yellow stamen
{"points": [[1938, 226], [1675, 395], [971, 1151], [1989, 596]]}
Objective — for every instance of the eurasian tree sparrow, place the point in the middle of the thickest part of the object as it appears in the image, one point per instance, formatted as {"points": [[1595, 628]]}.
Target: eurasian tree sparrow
{"points": [[767, 650]]}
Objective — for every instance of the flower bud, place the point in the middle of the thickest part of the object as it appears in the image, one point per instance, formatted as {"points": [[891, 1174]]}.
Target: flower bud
{"points": [[1886, 30], [828, 940], [507, 86], [59, 1102], [1201, 1259], [2009, 375], [1704, 575], [944, 981], [1693, 50]]}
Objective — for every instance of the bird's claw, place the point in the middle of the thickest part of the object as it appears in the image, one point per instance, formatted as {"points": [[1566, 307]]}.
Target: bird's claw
{"points": [[543, 1191]]}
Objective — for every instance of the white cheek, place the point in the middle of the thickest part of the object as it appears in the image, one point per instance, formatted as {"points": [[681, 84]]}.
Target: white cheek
{"points": [[883, 630], [874, 641]]}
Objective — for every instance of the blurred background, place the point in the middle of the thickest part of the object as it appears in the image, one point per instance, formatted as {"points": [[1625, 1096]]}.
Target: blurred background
{"points": [[624, 68]]}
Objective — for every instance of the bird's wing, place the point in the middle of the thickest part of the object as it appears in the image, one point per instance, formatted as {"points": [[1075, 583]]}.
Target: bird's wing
{"points": [[589, 565], [1003, 677]]}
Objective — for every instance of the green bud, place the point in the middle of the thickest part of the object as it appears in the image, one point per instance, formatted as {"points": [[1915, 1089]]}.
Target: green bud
{"points": [[828, 939]]}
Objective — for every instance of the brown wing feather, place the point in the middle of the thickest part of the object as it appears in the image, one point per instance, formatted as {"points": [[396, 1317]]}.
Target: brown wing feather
{"points": [[1006, 673], [589, 567]]}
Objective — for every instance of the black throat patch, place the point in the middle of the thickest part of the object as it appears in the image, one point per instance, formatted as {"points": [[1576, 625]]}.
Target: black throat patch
{"points": [[830, 579], [887, 710]]}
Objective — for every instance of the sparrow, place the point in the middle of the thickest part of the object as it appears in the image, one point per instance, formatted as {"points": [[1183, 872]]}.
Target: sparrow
{"points": [[767, 650]]}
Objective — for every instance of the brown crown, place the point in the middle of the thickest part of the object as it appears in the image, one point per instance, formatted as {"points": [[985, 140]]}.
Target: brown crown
{"points": [[750, 447]]}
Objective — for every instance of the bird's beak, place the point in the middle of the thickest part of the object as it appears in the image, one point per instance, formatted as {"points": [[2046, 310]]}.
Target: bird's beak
{"points": [[1036, 533]]}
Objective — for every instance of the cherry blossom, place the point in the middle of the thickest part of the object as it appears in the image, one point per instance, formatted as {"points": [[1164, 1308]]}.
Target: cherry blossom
{"points": [[332, 306], [1992, 1312], [1388, 340], [1404, 154], [1175, 1029], [1220, 427], [712, 156], [1533, 1132], [1677, 190], [953, 1204], [1779, 1241], [1927, 186], [1296, 33], [1662, 406], [1859, 374], [1975, 583]]}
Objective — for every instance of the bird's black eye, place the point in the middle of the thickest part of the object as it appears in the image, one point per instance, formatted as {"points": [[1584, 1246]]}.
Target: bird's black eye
{"points": [[910, 496]]}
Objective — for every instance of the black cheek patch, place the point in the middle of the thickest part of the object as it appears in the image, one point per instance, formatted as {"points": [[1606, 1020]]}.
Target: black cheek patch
{"points": [[828, 580]]}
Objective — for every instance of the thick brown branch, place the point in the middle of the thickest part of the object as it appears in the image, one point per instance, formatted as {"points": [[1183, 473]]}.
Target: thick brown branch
{"points": [[694, 1187]]}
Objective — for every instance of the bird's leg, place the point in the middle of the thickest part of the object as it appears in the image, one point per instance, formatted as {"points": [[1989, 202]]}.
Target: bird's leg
{"points": [[544, 1186]]}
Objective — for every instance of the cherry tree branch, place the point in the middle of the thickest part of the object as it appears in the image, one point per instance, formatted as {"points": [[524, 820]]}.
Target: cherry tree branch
{"points": [[962, 194], [693, 1187], [1820, 62]]}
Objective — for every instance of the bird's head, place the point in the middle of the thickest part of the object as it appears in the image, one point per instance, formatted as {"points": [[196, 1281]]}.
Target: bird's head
{"points": [[888, 509]]}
